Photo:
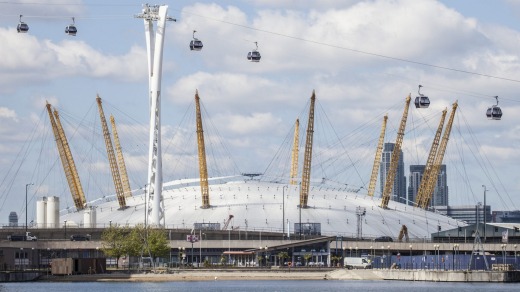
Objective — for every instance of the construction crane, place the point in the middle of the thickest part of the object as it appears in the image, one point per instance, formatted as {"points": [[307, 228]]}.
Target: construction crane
{"points": [[403, 233], [430, 186], [127, 191], [377, 159], [306, 173], [67, 160], [227, 222], [429, 163], [389, 183], [114, 169], [203, 167], [295, 153]]}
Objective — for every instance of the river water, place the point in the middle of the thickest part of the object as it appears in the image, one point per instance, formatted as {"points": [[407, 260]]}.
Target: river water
{"points": [[250, 286]]}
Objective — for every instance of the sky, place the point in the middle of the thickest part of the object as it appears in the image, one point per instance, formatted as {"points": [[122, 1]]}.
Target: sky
{"points": [[362, 58]]}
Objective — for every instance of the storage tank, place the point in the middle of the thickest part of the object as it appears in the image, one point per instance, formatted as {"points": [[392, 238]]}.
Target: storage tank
{"points": [[89, 217], [53, 212], [41, 213]]}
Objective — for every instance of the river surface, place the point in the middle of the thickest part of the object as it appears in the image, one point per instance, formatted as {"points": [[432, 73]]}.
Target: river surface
{"points": [[251, 286]]}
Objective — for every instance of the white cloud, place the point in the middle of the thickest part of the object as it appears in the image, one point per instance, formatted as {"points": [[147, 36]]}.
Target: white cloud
{"points": [[6, 113]]}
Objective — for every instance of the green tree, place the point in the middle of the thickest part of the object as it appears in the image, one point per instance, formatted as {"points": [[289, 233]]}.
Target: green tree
{"points": [[282, 256], [115, 243], [307, 257], [145, 240]]}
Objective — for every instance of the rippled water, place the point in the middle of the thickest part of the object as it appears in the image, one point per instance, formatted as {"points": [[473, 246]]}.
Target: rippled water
{"points": [[249, 286]]}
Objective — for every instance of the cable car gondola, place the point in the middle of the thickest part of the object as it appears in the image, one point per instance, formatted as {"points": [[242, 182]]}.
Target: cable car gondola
{"points": [[254, 55], [195, 44], [71, 28], [422, 101], [494, 112], [22, 27]]}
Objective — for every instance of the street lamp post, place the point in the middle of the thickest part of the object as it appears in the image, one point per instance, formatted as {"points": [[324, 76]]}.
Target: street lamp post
{"points": [[484, 212], [26, 211], [65, 227], [437, 253], [504, 246], [411, 266]]}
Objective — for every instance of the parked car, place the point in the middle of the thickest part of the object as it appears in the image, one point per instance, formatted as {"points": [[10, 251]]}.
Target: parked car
{"points": [[384, 239], [80, 237]]}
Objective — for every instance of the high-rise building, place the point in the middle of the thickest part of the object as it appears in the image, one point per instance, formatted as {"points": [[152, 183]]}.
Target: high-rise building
{"points": [[399, 189], [414, 181], [13, 219], [440, 193]]}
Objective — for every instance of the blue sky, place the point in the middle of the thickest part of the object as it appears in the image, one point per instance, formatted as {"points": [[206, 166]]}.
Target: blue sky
{"points": [[304, 47]]}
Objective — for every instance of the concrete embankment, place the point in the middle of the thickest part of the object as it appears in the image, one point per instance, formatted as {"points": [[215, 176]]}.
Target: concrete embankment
{"points": [[426, 275]]}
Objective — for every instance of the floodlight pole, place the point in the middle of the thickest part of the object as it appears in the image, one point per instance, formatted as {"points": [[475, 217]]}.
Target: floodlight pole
{"points": [[26, 211]]}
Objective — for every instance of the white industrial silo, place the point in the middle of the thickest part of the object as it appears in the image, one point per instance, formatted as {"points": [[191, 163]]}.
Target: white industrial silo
{"points": [[89, 217], [41, 213], [53, 212]]}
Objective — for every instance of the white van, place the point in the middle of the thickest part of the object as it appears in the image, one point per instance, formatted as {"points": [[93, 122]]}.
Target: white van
{"points": [[357, 263]]}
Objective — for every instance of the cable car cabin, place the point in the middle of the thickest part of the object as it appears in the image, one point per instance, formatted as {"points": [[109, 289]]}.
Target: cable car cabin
{"points": [[196, 45], [22, 27], [494, 113], [422, 102], [254, 56], [71, 30]]}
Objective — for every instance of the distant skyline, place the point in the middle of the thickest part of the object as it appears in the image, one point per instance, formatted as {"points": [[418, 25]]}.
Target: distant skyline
{"points": [[361, 57]]}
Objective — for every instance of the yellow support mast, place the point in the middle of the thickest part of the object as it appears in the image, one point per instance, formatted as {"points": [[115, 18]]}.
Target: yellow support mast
{"points": [[389, 183], [203, 167], [431, 159], [111, 157], [127, 191], [295, 153], [377, 159], [438, 160], [67, 161], [306, 172]]}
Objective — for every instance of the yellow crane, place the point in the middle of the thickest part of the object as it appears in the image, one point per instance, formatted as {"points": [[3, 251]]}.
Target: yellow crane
{"points": [[295, 153], [203, 167], [431, 159], [377, 159], [430, 186], [67, 161], [127, 191], [114, 169], [306, 172], [389, 183]]}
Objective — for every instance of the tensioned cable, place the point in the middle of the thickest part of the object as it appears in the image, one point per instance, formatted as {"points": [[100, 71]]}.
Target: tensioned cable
{"points": [[291, 37], [354, 50]]}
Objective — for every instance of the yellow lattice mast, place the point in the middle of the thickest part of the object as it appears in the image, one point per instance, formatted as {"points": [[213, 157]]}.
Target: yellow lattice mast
{"points": [[203, 167], [306, 172], [67, 161], [389, 183], [127, 191], [377, 159], [295, 153], [438, 160], [431, 159], [111, 157]]}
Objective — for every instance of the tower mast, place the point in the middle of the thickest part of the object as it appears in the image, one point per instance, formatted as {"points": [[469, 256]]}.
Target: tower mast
{"points": [[154, 45], [67, 161], [294, 154], [430, 187], [114, 169], [375, 168], [429, 163], [306, 173], [127, 191], [203, 168], [389, 183]]}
